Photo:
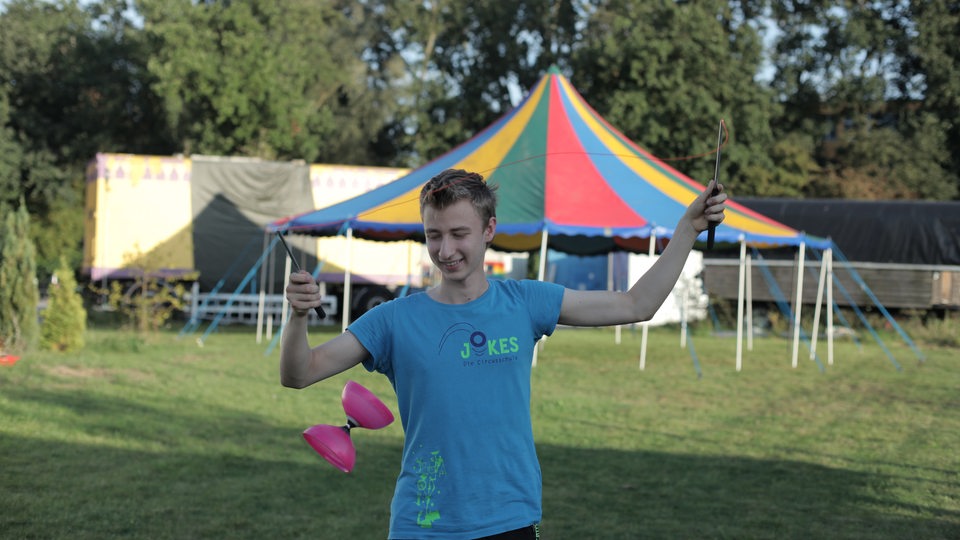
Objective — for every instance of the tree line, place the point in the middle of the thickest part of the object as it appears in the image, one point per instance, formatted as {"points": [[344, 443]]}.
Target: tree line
{"points": [[822, 98]]}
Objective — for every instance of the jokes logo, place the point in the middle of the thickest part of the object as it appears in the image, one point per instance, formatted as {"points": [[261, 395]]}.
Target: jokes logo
{"points": [[477, 344]]}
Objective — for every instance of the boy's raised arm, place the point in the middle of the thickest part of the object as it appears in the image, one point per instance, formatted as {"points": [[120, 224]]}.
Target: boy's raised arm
{"points": [[641, 302]]}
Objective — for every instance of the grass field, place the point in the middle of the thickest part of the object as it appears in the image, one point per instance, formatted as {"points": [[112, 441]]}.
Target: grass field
{"points": [[165, 439]]}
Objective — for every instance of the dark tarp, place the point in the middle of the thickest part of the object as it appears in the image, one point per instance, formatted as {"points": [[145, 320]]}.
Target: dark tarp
{"points": [[233, 200], [904, 232]]}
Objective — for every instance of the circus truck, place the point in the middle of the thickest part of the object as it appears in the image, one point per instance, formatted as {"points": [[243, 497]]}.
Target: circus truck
{"points": [[201, 220]]}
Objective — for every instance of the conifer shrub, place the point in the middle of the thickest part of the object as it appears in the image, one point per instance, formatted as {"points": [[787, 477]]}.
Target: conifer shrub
{"points": [[64, 319]]}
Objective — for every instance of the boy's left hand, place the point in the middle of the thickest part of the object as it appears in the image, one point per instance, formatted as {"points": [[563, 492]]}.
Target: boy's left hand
{"points": [[706, 208]]}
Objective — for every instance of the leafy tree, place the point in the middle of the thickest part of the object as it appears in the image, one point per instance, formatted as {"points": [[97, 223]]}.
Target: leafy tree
{"points": [[71, 84], [878, 77], [457, 66], [64, 319], [258, 78], [19, 295], [934, 58], [665, 73], [872, 156]]}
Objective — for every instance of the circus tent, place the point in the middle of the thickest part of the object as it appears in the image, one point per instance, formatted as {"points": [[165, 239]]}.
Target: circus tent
{"points": [[566, 178], [567, 181]]}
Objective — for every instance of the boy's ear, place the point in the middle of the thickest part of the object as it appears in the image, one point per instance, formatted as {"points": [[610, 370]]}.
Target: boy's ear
{"points": [[490, 230]]}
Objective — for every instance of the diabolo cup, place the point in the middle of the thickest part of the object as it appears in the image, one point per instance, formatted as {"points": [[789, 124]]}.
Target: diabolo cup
{"points": [[364, 410]]}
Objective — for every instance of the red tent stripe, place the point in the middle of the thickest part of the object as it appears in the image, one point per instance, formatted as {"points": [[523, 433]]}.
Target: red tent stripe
{"points": [[576, 192]]}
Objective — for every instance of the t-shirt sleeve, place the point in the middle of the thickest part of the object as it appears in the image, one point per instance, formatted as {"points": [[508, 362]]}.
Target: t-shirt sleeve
{"points": [[543, 300], [372, 331]]}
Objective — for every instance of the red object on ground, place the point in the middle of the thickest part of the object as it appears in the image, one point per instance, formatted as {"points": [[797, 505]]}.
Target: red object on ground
{"points": [[8, 360]]}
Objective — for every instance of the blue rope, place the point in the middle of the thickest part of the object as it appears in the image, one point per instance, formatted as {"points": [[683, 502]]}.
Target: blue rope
{"points": [[785, 306], [836, 309], [863, 319], [252, 272], [876, 302], [194, 321], [693, 355]]}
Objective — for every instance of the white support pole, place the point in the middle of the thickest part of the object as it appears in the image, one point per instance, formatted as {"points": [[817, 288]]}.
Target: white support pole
{"points": [[799, 302], [645, 326], [682, 290], [260, 302], [542, 267], [541, 273], [816, 309], [286, 303], [345, 308], [749, 300], [617, 329], [828, 256], [263, 288], [740, 300], [194, 302]]}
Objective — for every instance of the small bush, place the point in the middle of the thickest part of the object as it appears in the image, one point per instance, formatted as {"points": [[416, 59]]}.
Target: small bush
{"points": [[148, 301], [64, 320]]}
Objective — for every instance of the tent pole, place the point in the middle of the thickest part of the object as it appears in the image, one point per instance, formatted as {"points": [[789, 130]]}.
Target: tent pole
{"points": [[799, 300], [828, 256], [816, 309], [617, 329], [682, 290], [283, 312], [541, 271], [749, 290], [263, 292], [644, 326], [345, 308], [740, 300]]}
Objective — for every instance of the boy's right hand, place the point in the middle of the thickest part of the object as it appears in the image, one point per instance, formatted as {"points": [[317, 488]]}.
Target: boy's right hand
{"points": [[303, 293]]}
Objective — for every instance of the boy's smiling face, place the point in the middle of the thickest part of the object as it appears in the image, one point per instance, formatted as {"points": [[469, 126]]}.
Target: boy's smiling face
{"points": [[457, 240]]}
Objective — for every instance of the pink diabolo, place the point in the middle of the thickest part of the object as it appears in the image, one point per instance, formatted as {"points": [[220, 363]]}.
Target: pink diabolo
{"points": [[364, 410]]}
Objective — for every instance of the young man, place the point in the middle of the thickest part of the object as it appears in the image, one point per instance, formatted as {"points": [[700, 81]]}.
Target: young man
{"points": [[459, 359]]}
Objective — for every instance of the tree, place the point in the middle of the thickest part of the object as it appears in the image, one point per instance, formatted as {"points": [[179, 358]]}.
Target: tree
{"points": [[72, 83], [874, 78], [258, 78], [935, 59], [64, 319], [665, 73], [457, 66], [19, 295]]}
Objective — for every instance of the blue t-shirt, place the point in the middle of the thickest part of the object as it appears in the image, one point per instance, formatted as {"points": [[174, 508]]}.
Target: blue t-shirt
{"points": [[462, 377]]}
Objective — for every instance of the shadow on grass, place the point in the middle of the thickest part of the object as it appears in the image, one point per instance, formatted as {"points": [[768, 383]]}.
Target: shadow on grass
{"points": [[615, 494], [221, 473], [208, 473]]}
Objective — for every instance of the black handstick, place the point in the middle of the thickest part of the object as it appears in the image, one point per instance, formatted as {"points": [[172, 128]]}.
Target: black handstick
{"points": [[319, 309], [712, 226]]}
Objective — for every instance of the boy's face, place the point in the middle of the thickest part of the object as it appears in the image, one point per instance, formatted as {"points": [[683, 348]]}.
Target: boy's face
{"points": [[457, 240]]}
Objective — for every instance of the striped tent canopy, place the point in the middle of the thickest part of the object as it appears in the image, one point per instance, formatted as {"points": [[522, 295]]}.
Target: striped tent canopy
{"points": [[563, 171]]}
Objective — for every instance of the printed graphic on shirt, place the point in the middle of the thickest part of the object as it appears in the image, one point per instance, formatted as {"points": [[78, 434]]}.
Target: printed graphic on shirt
{"points": [[429, 472], [475, 348]]}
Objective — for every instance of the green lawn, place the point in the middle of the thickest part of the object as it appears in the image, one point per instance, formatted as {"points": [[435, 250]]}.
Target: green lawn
{"points": [[170, 440]]}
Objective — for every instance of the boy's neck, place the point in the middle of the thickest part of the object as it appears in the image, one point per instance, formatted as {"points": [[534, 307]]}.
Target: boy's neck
{"points": [[457, 292]]}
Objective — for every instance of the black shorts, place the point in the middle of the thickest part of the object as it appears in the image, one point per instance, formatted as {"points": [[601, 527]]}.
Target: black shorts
{"points": [[531, 532]]}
